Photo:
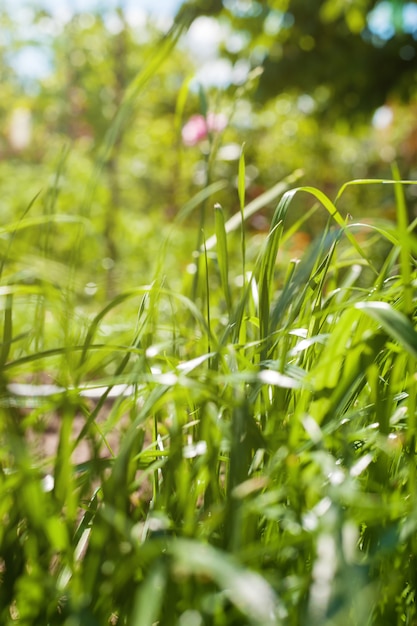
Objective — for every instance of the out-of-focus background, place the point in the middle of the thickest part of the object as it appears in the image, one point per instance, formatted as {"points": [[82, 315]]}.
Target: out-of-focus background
{"points": [[326, 86]]}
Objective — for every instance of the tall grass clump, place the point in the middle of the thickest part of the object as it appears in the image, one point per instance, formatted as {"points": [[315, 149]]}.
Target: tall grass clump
{"points": [[228, 443], [248, 456]]}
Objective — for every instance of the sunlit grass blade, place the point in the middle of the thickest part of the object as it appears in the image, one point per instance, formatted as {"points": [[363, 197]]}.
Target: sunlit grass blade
{"points": [[222, 255], [7, 330], [405, 248], [395, 324], [370, 181], [266, 276], [241, 188], [256, 205], [339, 374], [334, 213], [296, 289]]}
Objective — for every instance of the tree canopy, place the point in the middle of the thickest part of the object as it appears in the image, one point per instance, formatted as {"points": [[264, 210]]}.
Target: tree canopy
{"points": [[351, 57]]}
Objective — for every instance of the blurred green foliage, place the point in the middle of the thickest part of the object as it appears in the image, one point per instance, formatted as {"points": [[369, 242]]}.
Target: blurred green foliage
{"points": [[350, 56], [289, 109]]}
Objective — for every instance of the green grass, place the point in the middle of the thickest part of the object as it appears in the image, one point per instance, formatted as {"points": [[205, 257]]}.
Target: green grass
{"points": [[262, 468]]}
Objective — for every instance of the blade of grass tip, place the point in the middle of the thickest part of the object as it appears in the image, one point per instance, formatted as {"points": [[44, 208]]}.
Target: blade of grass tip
{"points": [[253, 207], [222, 256], [207, 297], [369, 181], [241, 188], [267, 265], [404, 238]]}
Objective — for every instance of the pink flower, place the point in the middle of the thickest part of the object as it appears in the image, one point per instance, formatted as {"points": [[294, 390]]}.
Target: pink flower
{"points": [[198, 127], [194, 130]]}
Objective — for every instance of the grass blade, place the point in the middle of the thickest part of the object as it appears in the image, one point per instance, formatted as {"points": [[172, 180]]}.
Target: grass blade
{"points": [[150, 596], [395, 324], [222, 255], [256, 205], [241, 188], [250, 593]]}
